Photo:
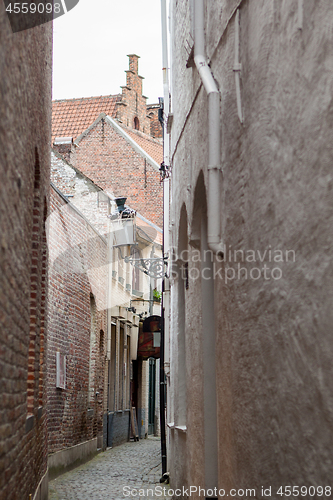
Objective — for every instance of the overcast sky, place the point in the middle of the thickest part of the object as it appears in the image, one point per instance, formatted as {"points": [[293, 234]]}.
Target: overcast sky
{"points": [[91, 43]]}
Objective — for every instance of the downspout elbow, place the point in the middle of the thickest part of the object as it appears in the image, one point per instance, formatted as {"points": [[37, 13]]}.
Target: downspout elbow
{"points": [[218, 249], [214, 205], [205, 74]]}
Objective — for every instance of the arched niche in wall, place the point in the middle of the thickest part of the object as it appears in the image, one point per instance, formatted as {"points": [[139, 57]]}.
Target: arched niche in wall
{"points": [[199, 210], [205, 290], [182, 285], [136, 123]]}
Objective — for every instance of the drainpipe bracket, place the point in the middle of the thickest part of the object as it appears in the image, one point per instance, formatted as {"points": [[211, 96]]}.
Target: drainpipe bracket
{"points": [[237, 66]]}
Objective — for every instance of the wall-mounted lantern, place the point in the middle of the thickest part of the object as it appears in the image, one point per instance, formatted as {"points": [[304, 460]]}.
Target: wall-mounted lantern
{"points": [[123, 227]]}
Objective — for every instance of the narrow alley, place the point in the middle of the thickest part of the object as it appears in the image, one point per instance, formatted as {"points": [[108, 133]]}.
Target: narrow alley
{"points": [[136, 465], [166, 249]]}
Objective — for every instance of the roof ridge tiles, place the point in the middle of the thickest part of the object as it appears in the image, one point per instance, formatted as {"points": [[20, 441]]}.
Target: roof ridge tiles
{"points": [[91, 97], [143, 135]]}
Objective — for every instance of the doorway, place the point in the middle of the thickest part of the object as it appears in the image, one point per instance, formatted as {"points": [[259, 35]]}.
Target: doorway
{"points": [[151, 396]]}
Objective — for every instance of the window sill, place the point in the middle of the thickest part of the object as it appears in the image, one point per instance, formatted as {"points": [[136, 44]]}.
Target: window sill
{"points": [[181, 428]]}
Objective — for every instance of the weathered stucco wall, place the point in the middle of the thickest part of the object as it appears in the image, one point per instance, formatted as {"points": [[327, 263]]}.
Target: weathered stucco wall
{"points": [[25, 132], [274, 332]]}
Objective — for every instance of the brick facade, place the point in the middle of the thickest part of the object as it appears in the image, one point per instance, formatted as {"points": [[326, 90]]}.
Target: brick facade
{"points": [[124, 285], [25, 117], [77, 326], [70, 117], [110, 161], [155, 125], [103, 154], [132, 109]]}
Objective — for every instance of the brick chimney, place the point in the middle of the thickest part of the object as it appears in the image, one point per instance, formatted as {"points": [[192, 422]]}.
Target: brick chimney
{"points": [[134, 63]]}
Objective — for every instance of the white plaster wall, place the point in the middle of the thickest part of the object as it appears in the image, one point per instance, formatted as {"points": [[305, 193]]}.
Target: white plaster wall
{"points": [[273, 339]]}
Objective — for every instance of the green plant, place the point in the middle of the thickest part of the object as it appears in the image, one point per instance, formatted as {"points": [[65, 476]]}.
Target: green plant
{"points": [[157, 295]]}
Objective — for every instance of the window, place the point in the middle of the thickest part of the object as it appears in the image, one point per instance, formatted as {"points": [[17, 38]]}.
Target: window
{"points": [[112, 369], [127, 371], [136, 123], [121, 368], [136, 271], [60, 371], [121, 278]]}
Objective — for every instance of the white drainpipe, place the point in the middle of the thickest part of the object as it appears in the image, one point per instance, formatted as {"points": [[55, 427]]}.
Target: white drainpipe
{"points": [[214, 206], [213, 240]]}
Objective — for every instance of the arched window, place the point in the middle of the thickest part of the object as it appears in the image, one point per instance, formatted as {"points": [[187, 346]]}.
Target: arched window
{"points": [[136, 123]]}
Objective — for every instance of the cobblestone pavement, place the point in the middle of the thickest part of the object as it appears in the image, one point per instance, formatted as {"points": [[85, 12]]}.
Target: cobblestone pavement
{"points": [[136, 465]]}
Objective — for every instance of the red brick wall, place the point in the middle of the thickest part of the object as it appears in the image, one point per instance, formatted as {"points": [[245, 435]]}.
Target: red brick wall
{"points": [[77, 281], [133, 103], [25, 117], [111, 162], [155, 126], [63, 149]]}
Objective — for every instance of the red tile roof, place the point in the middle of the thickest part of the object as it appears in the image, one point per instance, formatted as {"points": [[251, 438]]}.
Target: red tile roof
{"points": [[151, 146], [71, 117]]}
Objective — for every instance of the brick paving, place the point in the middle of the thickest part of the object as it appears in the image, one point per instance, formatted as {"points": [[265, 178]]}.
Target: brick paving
{"points": [[133, 464]]}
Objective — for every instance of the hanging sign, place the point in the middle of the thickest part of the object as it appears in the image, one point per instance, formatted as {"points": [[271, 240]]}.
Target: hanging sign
{"points": [[146, 342]]}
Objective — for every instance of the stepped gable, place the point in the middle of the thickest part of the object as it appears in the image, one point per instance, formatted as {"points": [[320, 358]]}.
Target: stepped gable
{"points": [[71, 117]]}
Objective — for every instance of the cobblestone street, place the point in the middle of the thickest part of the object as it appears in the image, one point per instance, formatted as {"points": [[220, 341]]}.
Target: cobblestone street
{"points": [[134, 464]]}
